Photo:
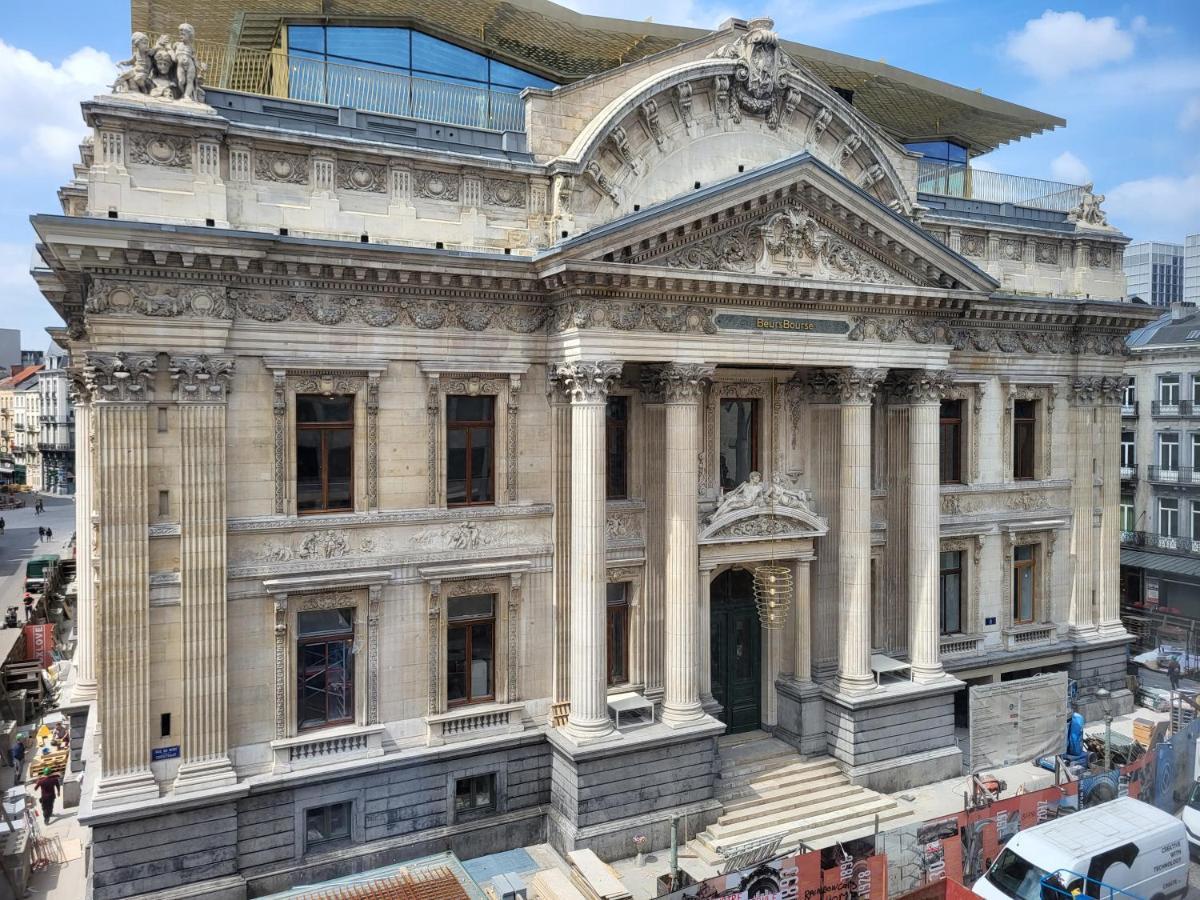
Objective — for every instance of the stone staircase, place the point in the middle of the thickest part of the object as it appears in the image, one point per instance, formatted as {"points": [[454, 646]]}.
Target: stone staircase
{"points": [[767, 788]]}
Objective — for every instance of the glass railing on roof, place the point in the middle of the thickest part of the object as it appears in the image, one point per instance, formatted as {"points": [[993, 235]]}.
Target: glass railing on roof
{"points": [[966, 183], [274, 73]]}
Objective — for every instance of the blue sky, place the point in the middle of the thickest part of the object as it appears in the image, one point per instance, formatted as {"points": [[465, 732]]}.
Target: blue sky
{"points": [[1126, 77]]}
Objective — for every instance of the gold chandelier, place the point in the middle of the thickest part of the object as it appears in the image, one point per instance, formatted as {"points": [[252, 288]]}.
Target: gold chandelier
{"points": [[772, 594]]}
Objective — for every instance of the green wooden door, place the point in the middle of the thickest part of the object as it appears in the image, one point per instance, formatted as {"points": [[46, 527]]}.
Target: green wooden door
{"points": [[736, 645]]}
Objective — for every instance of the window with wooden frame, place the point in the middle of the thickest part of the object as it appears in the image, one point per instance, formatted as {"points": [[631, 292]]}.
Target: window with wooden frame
{"points": [[471, 450], [950, 442], [1168, 517], [326, 824], [1024, 439], [470, 649], [1128, 516], [1024, 579], [738, 455], [324, 668], [618, 632], [324, 453], [616, 435], [475, 795], [1168, 390], [951, 582]]}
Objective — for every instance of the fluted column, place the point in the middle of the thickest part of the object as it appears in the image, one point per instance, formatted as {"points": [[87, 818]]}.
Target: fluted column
{"points": [[705, 639], [683, 387], [1109, 601], [587, 384], [653, 430], [1085, 393], [84, 688], [857, 388], [201, 387], [923, 391], [120, 385], [802, 580]]}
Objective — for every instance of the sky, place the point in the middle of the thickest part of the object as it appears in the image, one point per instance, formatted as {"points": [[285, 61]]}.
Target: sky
{"points": [[1125, 76]]}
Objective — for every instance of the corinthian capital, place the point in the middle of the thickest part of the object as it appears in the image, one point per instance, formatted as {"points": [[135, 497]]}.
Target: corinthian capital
{"points": [[1113, 390], [1087, 391], [683, 382], [201, 379], [120, 377], [923, 386], [845, 385], [586, 382]]}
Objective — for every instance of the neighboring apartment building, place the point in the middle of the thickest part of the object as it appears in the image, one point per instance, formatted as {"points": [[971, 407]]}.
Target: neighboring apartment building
{"points": [[1160, 469], [1191, 269], [20, 408], [56, 440], [421, 442], [1154, 272]]}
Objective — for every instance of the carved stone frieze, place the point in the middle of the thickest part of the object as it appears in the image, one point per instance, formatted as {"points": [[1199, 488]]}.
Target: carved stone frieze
{"points": [[1047, 253], [362, 176], [280, 167], [1012, 249], [1100, 256], [466, 536], [334, 600], [623, 526], [157, 300], [120, 377], [201, 378], [983, 340], [318, 545], [586, 382], [502, 192], [616, 574], [683, 318], [470, 587], [429, 185], [168, 150]]}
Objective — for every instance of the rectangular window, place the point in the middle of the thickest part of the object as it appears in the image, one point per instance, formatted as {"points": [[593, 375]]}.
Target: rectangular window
{"points": [[324, 453], [1168, 517], [618, 633], [1024, 587], [951, 588], [1127, 445], [739, 442], [951, 441], [470, 450], [1196, 388], [476, 794], [1130, 393], [1168, 451], [1196, 450], [616, 470], [1168, 390], [1024, 438], [326, 824], [325, 668], [1127, 514], [1195, 535], [470, 649]]}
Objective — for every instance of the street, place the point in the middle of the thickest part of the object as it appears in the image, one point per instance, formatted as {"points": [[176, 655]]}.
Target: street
{"points": [[20, 540]]}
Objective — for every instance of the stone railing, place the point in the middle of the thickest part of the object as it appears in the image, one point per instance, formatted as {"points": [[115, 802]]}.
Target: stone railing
{"points": [[959, 645], [468, 723], [1019, 636], [337, 745]]}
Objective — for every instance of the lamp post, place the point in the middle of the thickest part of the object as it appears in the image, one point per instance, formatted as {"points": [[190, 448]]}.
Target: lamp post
{"points": [[1104, 695]]}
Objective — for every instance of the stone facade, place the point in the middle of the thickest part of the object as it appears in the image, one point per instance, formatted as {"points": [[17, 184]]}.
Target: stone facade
{"points": [[212, 272]]}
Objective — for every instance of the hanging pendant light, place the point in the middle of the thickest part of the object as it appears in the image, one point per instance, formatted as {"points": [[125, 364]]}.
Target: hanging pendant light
{"points": [[772, 594]]}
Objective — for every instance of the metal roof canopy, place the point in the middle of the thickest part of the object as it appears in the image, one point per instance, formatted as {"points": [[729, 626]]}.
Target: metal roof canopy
{"points": [[1161, 562], [568, 46]]}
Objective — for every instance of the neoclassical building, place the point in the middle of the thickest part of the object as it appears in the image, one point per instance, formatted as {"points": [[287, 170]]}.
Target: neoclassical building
{"points": [[406, 445]]}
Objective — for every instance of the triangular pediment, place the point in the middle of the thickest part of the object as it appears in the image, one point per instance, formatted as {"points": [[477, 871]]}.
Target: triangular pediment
{"points": [[795, 219], [763, 510]]}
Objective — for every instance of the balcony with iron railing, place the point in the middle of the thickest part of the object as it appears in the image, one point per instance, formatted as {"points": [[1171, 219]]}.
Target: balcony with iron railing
{"points": [[1171, 410], [965, 183], [1129, 473], [1129, 410], [1176, 545], [275, 73], [1173, 475]]}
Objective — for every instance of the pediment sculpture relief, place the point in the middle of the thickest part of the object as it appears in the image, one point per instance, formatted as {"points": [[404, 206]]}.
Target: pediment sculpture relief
{"points": [[789, 242], [759, 509], [170, 70]]}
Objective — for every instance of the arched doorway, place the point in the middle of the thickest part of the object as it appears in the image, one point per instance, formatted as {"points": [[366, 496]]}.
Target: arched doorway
{"points": [[736, 647]]}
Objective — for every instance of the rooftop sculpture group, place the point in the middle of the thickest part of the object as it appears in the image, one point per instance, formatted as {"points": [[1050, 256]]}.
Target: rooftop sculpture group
{"points": [[167, 71]]}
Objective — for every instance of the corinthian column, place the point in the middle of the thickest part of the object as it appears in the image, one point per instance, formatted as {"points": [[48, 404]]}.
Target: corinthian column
{"points": [[924, 392], [683, 387], [587, 385], [85, 603], [120, 386], [856, 388], [1109, 600], [1085, 394], [201, 386]]}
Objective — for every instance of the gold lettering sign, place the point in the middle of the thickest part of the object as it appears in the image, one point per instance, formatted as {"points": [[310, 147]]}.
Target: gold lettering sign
{"points": [[784, 325]]}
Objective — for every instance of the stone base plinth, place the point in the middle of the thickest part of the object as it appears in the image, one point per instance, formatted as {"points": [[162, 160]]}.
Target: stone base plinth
{"points": [[801, 716], [1100, 662], [603, 793]]}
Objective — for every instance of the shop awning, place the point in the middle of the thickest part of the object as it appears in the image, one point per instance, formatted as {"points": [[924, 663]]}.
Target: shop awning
{"points": [[1161, 562]]}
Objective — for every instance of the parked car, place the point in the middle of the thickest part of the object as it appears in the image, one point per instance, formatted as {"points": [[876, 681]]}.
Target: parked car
{"points": [[1124, 844]]}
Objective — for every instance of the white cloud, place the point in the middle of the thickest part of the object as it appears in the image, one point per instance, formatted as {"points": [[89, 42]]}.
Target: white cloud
{"points": [[1059, 43], [1159, 208], [39, 104], [1189, 117], [1069, 168]]}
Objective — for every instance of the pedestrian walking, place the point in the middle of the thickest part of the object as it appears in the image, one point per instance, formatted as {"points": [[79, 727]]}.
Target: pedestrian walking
{"points": [[1173, 672], [49, 534], [28, 601], [41, 533], [1, 524], [48, 786]]}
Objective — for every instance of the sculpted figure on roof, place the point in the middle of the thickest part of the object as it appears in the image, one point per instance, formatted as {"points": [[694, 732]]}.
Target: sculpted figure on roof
{"points": [[1088, 212], [168, 71]]}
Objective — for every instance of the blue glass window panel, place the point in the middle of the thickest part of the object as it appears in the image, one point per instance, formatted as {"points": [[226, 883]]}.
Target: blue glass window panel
{"points": [[943, 151], [512, 77], [432, 55], [374, 46], [306, 37]]}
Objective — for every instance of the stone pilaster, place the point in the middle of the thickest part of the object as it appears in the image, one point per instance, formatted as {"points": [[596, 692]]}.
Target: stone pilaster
{"points": [[856, 388], [923, 391], [587, 384], [1108, 604], [201, 387], [119, 386], [824, 466], [560, 413], [654, 423], [705, 645], [1085, 396], [802, 581], [84, 689], [683, 388]]}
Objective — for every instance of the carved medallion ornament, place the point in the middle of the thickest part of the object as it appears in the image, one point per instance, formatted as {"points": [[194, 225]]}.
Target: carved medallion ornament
{"points": [[586, 382], [1047, 253], [436, 185], [282, 168], [974, 244], [120, 377], [684, 382], [510, 194], [361, 176], [201, 379], [765, 80], [158, 300], [169, 150]]}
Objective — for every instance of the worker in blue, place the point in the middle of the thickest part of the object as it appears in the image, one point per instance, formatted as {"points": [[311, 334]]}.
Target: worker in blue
{"points": [[1075, 749]]}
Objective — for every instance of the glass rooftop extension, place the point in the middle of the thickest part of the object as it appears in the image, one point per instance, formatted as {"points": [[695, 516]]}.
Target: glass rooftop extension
{"points": [[958, 180]]}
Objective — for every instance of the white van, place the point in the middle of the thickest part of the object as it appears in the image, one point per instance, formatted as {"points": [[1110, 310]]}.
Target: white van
{"points": [[1124, 844]]}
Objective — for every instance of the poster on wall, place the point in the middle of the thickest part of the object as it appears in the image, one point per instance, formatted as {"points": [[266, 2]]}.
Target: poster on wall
{"points": [[1151, 593], [848, 873], [39, 644]]}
